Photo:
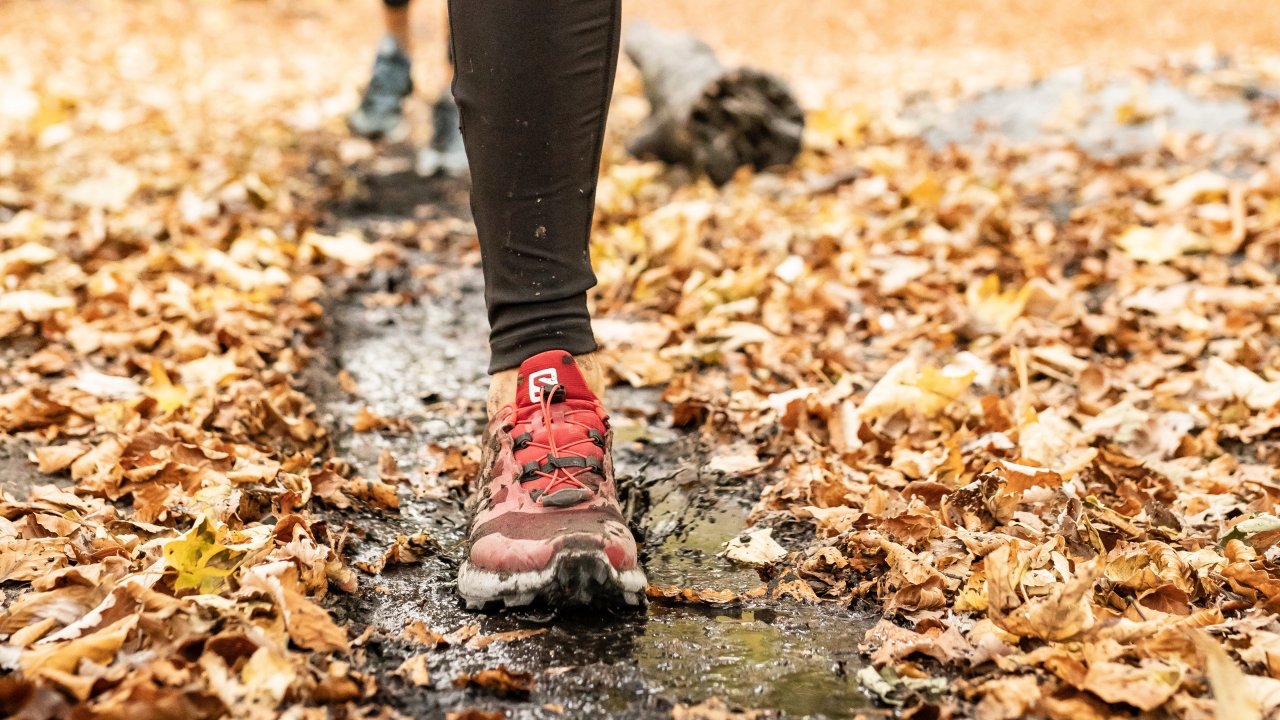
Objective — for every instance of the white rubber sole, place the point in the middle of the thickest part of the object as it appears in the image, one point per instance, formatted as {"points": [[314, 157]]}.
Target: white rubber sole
{"points": [[572, 578]]}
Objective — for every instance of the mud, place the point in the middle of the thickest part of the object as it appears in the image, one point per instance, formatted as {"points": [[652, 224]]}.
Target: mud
{"points": [[425, 361], [18, 475]]}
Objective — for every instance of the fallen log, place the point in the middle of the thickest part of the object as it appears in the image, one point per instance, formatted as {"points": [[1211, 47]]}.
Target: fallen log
{"points": [[705, 116]]}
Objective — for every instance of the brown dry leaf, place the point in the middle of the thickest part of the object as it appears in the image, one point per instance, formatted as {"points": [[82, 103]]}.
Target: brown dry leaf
{"points": [[374, 492], [1065, 613], [368, 421], [308, 624], [500, 681], [348, 383], [56, 458], [414, 669], [1240, 383], [1233, 695], [27, 560], [462, 634], [1148, 566], [480, 642], [406, 550], [475, 714], [1146, 686], [266, 678], [887, 643], [690, 596], [417, 632], [1160, 245], [1008, 698], [64, 657], [33, 305], [347, 248]]}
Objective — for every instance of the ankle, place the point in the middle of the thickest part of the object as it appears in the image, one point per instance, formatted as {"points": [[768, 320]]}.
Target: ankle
{"points": [[502, 390], [592, 366]]}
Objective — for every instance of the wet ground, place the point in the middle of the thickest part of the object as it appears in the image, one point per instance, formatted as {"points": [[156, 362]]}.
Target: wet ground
{"points": [[425, 362], [1110, 118]]}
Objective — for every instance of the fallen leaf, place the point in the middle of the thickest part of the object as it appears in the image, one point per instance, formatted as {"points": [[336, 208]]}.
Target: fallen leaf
{"points": [[168, 397], [911, 387], [990, 309], [754, 547], [56, 458], [480, 642], [33, 305], [414, 669], [1066, 612], [690, 596], [203, 564], [500, 681], [367, 421], [1160, 245], [308, 624]]}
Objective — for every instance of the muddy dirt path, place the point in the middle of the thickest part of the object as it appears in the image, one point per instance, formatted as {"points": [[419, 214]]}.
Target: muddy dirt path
{"points": [[425, 362]]}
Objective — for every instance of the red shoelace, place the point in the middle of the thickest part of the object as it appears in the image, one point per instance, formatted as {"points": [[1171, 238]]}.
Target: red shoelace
{"points": [[568, 448]]}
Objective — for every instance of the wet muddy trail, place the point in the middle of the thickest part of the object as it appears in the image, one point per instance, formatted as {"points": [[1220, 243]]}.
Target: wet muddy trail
{"points": [[425, 361]]}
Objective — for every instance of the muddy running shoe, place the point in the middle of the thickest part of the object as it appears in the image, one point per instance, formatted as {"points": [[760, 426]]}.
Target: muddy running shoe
{"points": [[548, 527], [380, 114]]}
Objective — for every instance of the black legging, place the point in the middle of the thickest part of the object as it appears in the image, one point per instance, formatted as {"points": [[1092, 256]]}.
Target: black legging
{"points": [[532, 79]]}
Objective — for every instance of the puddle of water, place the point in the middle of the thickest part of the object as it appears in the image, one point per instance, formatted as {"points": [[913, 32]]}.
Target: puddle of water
{"points": [[794, 659], [788, 660]]}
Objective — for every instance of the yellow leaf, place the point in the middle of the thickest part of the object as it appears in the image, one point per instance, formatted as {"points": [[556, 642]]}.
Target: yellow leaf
{"points": [[992, 310], [926, 192], [168, 396], [203, 564], [943, 386], [907, 386]]}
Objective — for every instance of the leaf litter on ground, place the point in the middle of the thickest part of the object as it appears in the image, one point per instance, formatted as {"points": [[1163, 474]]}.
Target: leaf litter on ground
{"points": [[1044, 445]]}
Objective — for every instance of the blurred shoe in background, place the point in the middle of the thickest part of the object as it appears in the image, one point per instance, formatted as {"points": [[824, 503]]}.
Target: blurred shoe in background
{"points": [[446, 154], [380, 113]]}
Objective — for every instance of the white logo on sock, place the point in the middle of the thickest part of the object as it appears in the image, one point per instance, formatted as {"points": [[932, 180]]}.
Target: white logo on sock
{"points": [[540, 379]]}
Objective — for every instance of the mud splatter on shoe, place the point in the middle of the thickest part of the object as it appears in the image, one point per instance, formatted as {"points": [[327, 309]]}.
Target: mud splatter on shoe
{"points": [[547, 524]]}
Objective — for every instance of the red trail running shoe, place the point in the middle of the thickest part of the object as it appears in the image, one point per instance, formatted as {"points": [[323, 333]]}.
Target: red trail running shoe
{"points": [[547, 524]]}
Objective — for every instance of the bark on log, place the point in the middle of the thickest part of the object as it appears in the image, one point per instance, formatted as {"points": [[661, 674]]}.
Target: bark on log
{"points": [[705, 116]]}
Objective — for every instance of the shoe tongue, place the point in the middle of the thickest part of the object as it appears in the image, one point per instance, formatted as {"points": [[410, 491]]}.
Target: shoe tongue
{"points": [[553, 367]]}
